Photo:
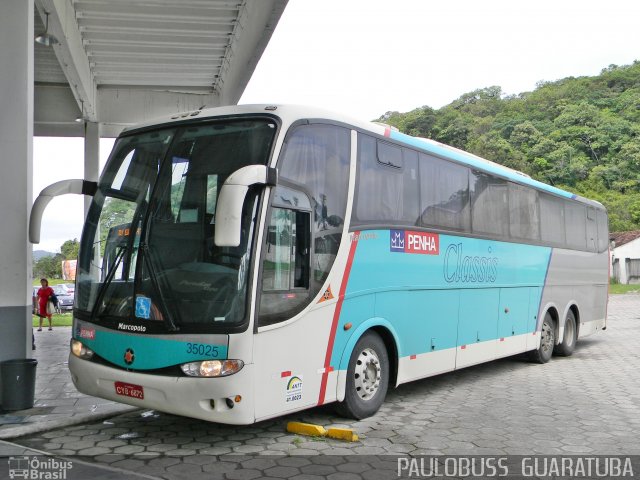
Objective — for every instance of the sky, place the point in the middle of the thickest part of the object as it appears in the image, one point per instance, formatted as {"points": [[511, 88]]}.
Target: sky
{"points": [[366, 57]]}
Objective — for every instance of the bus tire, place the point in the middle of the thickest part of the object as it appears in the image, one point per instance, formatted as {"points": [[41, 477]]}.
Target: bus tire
{"points": [[547, 341], [568, 344], [367, 378]]}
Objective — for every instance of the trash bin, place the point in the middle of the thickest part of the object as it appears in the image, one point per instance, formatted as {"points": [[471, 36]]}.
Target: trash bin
{"points": [[18, 383]]}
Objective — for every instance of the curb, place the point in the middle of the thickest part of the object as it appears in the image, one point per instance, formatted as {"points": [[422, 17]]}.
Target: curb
{"points": [[39, 427]]}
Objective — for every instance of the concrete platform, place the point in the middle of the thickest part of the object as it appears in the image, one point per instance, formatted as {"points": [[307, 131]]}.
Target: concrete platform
{"points": [[57, 402]]}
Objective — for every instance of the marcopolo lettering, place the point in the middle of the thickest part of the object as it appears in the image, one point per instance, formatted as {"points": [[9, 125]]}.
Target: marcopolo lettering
{"points": [[132, 328], [468, 269]]}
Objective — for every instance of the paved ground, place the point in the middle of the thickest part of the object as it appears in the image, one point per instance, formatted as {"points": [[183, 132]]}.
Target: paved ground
{"points": [[57, 402], [585, 404]]}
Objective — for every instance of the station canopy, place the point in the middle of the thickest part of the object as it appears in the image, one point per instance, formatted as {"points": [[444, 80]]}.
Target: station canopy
{"points": [[120, 62]]}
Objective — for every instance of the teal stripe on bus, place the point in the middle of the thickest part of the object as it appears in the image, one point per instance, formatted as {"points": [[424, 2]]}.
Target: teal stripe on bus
{"points": [[452, 293], [149, 352]]}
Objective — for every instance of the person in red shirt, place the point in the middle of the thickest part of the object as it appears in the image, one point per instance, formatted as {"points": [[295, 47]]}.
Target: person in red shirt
{"points": [[44, 292]]}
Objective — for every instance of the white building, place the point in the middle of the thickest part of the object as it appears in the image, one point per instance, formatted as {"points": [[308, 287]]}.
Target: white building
{"points": [[625, 256]]}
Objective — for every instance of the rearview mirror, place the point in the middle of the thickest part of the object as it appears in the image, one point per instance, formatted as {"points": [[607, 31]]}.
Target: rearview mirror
{"points": [[79, 187], [231, 199]]}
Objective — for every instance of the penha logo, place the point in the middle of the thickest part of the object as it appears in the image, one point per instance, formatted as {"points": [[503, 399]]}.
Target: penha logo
{"points": [[407, 241], [397, 240]]}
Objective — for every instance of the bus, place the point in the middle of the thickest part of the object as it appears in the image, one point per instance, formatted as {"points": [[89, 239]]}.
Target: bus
{"points": [[276, 258]]}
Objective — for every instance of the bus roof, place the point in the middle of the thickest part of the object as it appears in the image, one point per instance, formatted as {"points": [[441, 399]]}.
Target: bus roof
{"points": [[292, 113]]}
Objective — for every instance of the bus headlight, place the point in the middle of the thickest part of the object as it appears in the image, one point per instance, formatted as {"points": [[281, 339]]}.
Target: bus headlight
{"points": [[80, 351], [212, 368]]}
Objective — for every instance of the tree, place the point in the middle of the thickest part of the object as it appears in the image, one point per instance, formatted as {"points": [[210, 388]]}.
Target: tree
{"points": [[582, 134], [48, 267], [70, 249]]}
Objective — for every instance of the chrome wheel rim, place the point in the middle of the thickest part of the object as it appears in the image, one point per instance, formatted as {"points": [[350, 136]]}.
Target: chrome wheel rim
{"points": [[367, 374], [547, 337]]}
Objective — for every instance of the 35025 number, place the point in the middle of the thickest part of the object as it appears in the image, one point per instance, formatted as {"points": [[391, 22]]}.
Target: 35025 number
{"points": [[202, 349]]}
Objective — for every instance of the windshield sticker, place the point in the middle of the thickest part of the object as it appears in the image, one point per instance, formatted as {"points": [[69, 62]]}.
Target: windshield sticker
{"points": [[143, 307], [294, 389], [406, 241]]}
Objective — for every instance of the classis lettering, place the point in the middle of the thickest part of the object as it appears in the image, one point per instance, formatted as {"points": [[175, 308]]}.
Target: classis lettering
{"points": [[467, 269]]}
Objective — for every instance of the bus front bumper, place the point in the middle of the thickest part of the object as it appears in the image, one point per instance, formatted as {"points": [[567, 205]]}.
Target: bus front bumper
{"points": [[224, 399]]}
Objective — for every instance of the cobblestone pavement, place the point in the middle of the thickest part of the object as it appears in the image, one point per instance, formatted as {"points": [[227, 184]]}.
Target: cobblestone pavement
{"points": [[585, 404]]}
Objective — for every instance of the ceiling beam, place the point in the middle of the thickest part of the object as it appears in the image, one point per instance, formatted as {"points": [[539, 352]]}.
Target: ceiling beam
{"points": [[251, 34], [71, 53]]}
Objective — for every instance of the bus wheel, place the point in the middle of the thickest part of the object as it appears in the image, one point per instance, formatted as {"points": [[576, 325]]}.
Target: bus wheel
{"points": [[547, 341], [367, 378], [568, 344]]}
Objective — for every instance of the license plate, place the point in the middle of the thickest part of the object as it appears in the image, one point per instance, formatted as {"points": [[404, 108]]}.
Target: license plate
{"points": [[129, 390]]}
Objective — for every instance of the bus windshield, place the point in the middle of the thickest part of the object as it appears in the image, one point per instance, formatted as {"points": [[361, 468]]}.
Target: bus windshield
{"points": [[148, 262]]}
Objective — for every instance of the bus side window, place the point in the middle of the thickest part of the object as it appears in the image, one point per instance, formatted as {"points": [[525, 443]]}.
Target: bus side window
{"points": [[552, 220], [575, 226], [489, 205], [313, 183], [387, 183], [444, 194], [524, 215], [603, 231], [285, 266]]}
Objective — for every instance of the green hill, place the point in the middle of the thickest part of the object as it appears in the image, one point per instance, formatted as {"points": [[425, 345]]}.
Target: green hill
{"points": [[581, 134]]}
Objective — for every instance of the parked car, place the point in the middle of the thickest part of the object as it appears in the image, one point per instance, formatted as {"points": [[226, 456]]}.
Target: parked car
{"points": [[69, 288], [65, 299], [34, 300]]}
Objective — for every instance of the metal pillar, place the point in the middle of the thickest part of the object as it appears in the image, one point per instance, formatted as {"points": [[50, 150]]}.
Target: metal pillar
{"points": [[16, 160], [91, 156]]}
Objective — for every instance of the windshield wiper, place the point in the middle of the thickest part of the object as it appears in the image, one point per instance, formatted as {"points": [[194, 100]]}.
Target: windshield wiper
{"points": [[107, 281], [144, 249]]}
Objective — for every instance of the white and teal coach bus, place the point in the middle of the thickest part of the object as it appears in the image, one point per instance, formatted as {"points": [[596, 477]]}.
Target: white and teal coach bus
{"points": [[241, 263]]}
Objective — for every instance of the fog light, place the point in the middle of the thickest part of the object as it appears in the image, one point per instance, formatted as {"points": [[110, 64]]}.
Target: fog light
{"points": [[80, 350], [212, 368]]}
